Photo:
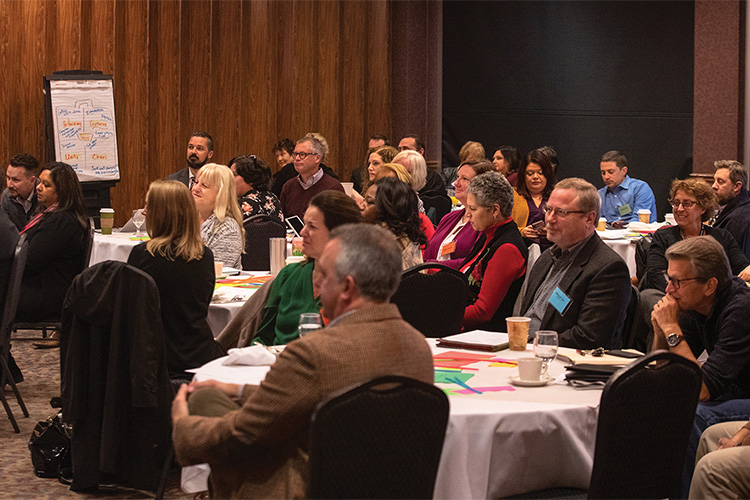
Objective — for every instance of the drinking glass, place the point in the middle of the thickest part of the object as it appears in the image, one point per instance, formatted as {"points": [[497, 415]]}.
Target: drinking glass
{"points": [[138, 219], [309, 322], [545, 347]]}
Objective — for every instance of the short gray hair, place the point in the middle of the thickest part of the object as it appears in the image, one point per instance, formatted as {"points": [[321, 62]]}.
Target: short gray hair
{"points": [[492, 188], [370, 255], [706, 256], [588, 196], [417, 167], [318, 143]]}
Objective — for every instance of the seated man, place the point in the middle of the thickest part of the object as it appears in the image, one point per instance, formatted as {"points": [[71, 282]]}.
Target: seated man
{"points": [[257, 446], [707, 308], [200, 149], [297, 192], [579, 287], [622, 196], [730, 185]]}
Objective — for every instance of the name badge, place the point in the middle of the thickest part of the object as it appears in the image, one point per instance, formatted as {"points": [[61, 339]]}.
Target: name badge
{"points": [[624, 209], [559, 300], [449, 248]]}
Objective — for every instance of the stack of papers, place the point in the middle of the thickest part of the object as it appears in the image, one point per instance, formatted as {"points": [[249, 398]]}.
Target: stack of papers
{"points": [[480, 340]]}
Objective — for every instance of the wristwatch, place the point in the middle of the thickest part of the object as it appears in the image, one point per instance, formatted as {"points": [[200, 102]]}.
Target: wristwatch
{"points": [[674, 339]]}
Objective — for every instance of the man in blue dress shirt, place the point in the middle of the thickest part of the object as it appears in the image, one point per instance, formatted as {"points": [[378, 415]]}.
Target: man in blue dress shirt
{"points": [[622, 196]]}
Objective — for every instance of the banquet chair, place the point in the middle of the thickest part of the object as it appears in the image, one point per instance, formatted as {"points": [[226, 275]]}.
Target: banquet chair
{"points": [[436, 206], [645, 417], [433, 303], [259, 229], [381, 439], [9, 311]]}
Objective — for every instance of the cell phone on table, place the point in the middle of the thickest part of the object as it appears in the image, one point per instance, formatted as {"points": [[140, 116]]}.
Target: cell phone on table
{"points": [[295, 224], [623, 354], [538, 224]]}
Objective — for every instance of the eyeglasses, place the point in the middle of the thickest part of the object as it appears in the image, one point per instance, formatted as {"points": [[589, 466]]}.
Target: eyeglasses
{"points": [[560, 213], [676, 283], [301, 155], [687, 204]]}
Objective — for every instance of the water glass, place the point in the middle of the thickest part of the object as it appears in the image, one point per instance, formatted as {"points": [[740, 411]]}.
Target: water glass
{"points": [[545, 347], [309, 322]]}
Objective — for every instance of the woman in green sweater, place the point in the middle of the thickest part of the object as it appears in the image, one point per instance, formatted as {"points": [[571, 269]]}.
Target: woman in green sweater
{"points": [[292, 290]]}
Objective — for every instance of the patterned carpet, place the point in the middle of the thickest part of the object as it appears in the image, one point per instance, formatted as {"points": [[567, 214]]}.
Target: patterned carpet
{"points": [[41, 370]]}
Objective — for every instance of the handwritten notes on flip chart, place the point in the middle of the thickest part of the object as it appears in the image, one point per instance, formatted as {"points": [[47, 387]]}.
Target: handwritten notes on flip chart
{"points": [[83, 115]]}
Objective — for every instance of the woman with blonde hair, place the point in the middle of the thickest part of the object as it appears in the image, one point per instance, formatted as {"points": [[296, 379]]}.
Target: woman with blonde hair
{"points": [[221, 220], [183, 269]]}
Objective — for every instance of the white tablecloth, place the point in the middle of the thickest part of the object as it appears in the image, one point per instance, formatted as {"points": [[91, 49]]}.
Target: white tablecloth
{"points": [[625, 247], [117, 246], [499, 443]]}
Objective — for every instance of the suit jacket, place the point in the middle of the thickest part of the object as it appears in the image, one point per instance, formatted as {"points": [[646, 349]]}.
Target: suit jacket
{"points": [[735, 218], [261, 450], [598, 285], [181, 175]]}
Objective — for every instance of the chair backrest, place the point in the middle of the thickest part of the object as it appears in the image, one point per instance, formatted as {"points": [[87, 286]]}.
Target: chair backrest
{"points": [[645, 418], [13, 291], [534, 252], [381, 439], [259, 229], [436, 206], [630, 328], [641, 258], [433, 303]]}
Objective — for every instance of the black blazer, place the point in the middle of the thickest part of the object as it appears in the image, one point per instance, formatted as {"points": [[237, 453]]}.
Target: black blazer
{"points": [[182, 175], [598, 284]]}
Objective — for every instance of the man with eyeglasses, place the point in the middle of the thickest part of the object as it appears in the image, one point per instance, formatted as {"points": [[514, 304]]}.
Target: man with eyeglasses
{"points": [[579, 287], [706, 308], [730, 186], [622, 197], [311, 180]]}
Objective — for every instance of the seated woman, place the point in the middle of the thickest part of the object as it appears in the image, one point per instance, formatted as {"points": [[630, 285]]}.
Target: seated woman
{"points": [[292, 292], [506, 161], [183, 269], [497, 264], [470, 152], [376, 158], [397, 171], [454, 237], [536, 180], [693, 202], [396, 210], [57, 238], [252, 175], [221, 220]]}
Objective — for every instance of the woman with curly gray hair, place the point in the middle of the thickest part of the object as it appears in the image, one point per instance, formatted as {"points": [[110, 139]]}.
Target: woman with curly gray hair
{"points": [[496, 264]]}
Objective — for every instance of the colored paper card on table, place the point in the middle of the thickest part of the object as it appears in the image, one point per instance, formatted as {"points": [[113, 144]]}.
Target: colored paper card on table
{"points": [[503, 364], [139, 238], [483, 389], [444, 377], [458, 355]]}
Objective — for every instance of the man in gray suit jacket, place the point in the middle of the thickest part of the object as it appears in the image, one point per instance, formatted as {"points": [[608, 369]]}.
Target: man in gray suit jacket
{"points": [[579, 287], [200, 149]]}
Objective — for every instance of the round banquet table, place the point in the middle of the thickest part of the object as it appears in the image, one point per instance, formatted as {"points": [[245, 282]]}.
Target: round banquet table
{"points": [[506, 441]]}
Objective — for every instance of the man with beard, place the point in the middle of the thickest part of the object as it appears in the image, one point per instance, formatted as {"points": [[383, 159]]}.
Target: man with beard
{"points": [[730, 186], [200, 149], [19, 198]]}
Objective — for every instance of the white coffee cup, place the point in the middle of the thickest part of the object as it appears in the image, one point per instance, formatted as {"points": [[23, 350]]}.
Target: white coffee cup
{"points": [[529, 369]]}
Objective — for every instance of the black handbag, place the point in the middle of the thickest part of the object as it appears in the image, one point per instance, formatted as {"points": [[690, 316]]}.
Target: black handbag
{"points": [[50, 446]]}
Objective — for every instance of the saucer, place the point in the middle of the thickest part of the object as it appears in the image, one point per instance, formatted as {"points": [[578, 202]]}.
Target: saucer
{"points": [[546, 379]]}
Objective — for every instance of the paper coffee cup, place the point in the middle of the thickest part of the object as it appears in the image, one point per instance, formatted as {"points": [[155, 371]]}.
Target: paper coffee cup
{"points": [[602, 224], [107, 218], [518, 332], [644, 215], [218, 269], [529, 369]]}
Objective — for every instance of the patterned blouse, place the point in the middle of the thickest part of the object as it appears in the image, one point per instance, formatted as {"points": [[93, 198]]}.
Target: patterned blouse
{"points": [[224, 239], [256, 202]]}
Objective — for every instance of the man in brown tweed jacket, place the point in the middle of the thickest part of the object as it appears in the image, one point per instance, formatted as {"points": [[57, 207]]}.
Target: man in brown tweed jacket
{"points": [[257, 444]]}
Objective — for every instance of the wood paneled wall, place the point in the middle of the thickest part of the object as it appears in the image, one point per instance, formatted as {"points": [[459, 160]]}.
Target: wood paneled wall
{"points": [[248, 72]]}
